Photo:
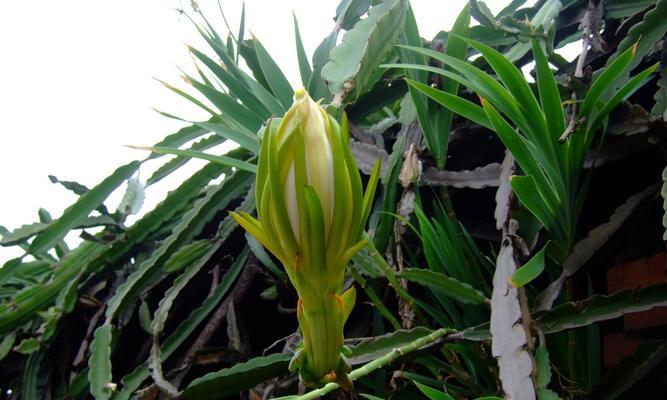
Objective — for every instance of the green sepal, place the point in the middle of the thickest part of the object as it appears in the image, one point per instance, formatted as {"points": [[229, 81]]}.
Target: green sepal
{"points": [[297, 360], [263, 161], [347, 255], [343, 212], [307, 378], [355, 181], [316, 236], [300, 182], [254, 227], [348, 298], [281, 223], [342, 377]]}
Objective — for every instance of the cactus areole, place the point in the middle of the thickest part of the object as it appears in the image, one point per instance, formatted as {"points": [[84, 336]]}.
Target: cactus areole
{"points": [[311, 216]]}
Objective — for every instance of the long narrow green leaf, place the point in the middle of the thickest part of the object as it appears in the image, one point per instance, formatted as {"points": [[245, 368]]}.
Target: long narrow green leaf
{"points": [[455, 48], [175, 163], [604, 81], [458, 290], [246, 139], [279, 84], [410, 37], [263, 107], [478, 81], [304, 65], [524, 152], [463, 107], [530, 270], [623, 93], [80, 210], [188, 97], [224, 160], [532, 198], [549, 97], [419, 67], [532, 120], [239, 38], [231, 110], [181, 137], [385, 225], [236, 87], [431, 393]]}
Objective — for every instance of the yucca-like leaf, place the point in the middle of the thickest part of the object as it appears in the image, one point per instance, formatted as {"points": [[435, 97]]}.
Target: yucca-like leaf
{"points": [[224, 160], [304, 65], [449, 286]]}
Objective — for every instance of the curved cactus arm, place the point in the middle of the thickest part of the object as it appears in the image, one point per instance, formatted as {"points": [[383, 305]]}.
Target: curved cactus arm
{"points": [[354, 60]]}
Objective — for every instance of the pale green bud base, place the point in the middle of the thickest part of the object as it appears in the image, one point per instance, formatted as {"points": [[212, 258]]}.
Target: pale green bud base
{"points": [[321, 319], [338, 375]]}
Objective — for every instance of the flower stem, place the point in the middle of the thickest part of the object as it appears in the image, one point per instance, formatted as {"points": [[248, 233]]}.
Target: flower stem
{"points": [[378, 363]]}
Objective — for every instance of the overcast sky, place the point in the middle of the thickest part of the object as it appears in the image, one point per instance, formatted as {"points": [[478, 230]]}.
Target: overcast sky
{"points": [[76, 84]]}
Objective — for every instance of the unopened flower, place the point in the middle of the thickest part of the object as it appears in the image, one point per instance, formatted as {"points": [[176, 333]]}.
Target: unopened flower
{"points": [[312, 213]]}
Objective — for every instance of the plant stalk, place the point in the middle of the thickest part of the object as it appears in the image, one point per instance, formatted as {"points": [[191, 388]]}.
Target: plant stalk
{"points": [[379, 363]]}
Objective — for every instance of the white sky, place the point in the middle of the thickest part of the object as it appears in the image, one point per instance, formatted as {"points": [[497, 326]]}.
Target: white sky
{"points": [[76, 84]]}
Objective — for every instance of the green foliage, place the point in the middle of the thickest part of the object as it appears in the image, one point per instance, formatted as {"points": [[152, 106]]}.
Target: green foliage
{"points": [[99, 374], [141, 308], [352, 63], [240, 377], [461, 292], [550, 187]]}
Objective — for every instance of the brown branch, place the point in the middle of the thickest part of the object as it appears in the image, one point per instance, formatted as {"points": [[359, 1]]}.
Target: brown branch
{"points": [[215, 279], [590, 32], [219, 316]]}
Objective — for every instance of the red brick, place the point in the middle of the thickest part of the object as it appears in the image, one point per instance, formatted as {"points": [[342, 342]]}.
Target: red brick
{"points": [[637, 274]]}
